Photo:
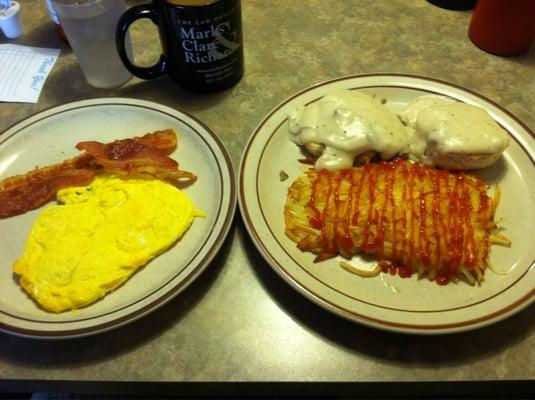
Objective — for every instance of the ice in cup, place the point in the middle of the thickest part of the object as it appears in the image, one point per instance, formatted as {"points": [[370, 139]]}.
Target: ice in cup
{"points": [[90, 29]]}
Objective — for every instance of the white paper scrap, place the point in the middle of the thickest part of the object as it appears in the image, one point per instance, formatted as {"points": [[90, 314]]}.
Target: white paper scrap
{"points": [[23, 71]]}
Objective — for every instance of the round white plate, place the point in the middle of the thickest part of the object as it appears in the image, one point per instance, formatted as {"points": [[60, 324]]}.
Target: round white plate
{"points": [[390, 302], [50, 137]]}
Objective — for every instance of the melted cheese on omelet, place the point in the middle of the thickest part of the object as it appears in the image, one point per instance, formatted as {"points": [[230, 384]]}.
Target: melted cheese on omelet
{"points": [[102, 233]]}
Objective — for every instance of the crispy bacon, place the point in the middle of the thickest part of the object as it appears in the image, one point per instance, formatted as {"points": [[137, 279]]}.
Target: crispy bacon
{"points": [[128, 157], [144, 155], [165, 140], [22, 193]]}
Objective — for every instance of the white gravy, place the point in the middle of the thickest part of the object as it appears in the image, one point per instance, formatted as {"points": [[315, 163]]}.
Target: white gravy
{"points": [[348, 123], [453, 127]]}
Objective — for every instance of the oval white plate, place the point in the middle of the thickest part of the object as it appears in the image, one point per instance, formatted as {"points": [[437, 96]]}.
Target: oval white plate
{"points": [[390, 302], [50, 137]]}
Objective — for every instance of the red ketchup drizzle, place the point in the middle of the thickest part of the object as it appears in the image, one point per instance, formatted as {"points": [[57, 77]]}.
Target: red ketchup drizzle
{"points": [[410, 231], [456, 240], [380, 230], [423, 241], [404, 200], [395, 268], [483, 210], [410, 184], [315, 221], [372, 181], [347, 241], [374, 238], [389, 198], [358, 195], [467, 209], [338, 180], [342, 239], [330, 244], [437, 226], [442, 280]]}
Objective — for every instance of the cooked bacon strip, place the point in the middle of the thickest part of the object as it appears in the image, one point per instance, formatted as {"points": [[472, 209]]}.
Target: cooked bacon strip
{"points": [[128, 157], [165, 140], [145, 155], [22, 193]]}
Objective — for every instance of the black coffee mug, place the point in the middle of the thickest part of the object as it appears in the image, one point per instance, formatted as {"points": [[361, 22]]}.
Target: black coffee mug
{"points": [[201, 40]]}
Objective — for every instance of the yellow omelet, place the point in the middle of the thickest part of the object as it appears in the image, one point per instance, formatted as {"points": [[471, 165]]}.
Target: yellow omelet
{"points": [[80, 250]]}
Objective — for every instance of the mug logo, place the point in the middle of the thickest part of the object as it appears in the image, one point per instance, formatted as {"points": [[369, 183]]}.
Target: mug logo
{"points": [[223, 45], [210, 44]]}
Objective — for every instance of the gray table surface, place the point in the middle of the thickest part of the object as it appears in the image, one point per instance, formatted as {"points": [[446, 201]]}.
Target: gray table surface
{"points": [[239, 321]]}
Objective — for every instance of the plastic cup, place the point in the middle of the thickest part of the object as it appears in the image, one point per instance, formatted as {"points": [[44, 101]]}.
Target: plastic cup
{"points": [[10, 23], [90, 29]]}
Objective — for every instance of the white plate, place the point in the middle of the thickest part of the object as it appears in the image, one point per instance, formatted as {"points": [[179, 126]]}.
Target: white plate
{"points": [[50, 137], [390, 302]]}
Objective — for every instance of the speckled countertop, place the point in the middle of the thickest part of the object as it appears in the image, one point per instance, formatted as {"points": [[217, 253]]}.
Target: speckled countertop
{"points": [[273, 333]]}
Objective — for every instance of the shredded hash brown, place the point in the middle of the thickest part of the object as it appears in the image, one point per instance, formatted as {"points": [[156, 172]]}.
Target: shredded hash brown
{"points": [[413, 218]]}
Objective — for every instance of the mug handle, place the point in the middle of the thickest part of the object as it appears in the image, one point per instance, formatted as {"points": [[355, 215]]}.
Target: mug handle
{"points": [[128, 18]]}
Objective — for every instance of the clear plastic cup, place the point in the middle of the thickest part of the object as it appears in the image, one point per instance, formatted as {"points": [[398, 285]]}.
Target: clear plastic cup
{"points": [[90, 29], [10, 23]]}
